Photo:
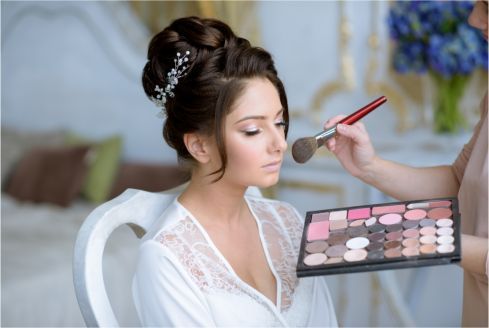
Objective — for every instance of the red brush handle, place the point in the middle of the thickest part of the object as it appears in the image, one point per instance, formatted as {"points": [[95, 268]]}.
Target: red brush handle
{"points": [[350, 119]]}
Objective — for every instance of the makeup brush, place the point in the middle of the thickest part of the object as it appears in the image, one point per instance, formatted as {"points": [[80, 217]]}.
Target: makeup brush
{"points": [[304, 148]]}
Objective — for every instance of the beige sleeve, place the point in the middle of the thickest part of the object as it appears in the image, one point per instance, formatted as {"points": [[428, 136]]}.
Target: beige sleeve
{"points": [[460, 162]]}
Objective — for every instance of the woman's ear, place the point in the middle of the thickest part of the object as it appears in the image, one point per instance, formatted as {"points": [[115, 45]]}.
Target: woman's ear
{"points": [[197, 146]]}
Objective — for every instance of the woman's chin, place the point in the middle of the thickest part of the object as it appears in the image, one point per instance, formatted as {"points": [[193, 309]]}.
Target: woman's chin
{"points": [[269, 182]]}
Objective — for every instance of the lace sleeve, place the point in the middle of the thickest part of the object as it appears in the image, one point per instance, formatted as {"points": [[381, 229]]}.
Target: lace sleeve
{"points": [[162, 292]]}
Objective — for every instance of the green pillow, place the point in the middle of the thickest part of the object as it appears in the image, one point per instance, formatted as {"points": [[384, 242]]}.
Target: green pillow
{"points": [[103, 167]]}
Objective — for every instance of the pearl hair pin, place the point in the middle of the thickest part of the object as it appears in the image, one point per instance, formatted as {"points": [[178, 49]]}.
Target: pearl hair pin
{"points": [[178, 71]]}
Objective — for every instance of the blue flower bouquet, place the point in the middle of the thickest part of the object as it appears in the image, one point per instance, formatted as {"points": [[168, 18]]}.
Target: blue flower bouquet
{"points": [[434, 37]]}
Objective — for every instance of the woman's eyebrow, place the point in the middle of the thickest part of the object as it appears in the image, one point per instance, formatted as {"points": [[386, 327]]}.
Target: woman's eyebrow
{"points": [[257, 117]]}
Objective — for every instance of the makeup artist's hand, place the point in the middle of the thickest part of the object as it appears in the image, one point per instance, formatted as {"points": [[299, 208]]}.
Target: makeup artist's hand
{"points": [[351, 146]]}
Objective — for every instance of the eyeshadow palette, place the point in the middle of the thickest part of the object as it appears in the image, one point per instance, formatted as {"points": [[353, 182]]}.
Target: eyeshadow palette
{"points": [[380, 236]]}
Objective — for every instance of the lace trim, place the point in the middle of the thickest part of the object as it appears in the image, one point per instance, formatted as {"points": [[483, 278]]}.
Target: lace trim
{"points": [[281, 232]]}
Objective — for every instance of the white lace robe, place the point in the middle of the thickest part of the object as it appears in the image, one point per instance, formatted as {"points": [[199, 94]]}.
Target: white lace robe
{"points": [[183, 280]]}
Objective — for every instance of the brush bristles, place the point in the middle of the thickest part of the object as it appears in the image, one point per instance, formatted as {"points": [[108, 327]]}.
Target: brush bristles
{"points": [[303, 149]]}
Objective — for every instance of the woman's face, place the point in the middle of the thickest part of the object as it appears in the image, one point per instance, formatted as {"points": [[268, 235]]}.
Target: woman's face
{"points": [[255, 136], [478, 17]]}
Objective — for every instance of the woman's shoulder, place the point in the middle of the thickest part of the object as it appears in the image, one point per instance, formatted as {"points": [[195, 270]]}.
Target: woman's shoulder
{"points": [[172, 222]]}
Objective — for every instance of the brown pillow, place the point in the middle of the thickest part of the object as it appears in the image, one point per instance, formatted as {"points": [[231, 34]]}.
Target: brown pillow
{"points": [[149, 177], [52, 175]]}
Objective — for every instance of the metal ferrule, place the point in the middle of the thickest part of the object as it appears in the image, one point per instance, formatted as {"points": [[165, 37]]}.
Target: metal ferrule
{"points": [[325, 135]]}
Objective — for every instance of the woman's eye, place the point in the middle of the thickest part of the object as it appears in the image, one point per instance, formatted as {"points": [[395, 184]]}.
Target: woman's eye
{"points": [[281, 124], [251, 132]]}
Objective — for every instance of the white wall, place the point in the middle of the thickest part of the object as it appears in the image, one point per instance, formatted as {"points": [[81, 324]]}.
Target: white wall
{"points": [[68, 65]]}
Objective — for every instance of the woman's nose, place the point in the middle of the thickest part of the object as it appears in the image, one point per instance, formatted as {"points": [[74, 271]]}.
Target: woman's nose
{"points": [[278, 141]]}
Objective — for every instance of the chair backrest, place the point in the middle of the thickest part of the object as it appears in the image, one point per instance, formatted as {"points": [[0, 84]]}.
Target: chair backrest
{"points": [[139, 209]]}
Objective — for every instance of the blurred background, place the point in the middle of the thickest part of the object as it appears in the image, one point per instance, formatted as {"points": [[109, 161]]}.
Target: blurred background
{"points": [[73, 111]]}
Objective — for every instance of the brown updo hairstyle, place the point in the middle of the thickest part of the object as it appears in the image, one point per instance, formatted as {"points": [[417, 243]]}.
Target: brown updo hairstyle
{"points": [[220, 63]]}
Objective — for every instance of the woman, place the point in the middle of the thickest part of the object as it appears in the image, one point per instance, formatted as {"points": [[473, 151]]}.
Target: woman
{"points": [[465, 178], [218, 257]]}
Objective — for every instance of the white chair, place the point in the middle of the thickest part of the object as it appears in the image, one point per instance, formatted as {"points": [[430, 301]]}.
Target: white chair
{"points": [[137, 208]]}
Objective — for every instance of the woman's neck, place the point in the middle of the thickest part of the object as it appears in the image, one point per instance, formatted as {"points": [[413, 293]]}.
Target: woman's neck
{"points": [[214, 203]]}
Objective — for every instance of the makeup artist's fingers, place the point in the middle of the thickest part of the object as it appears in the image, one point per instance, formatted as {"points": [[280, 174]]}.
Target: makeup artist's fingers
{"points": [[332, 121], [354, 132], [331, 143], [361, 126]]}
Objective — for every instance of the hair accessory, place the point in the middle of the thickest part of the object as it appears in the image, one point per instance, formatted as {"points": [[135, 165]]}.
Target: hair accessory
{"points": [[172, 78]]}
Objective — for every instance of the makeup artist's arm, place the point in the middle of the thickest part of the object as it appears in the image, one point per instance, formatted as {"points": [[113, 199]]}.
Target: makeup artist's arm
{"points": [[354, 150], [474, 254]]}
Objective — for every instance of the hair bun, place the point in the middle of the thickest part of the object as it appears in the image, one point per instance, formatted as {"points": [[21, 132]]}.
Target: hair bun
{"points": [[219, 64]]}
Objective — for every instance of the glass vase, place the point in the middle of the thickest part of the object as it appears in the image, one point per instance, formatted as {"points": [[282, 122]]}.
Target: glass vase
{"points": [[447, 116]]}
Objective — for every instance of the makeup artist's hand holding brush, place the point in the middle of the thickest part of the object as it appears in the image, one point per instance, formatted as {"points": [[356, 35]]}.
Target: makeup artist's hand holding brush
{"points": [[351, 146]]}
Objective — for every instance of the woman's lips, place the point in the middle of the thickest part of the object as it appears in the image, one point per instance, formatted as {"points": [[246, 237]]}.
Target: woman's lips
{"points": [[274, 166]]}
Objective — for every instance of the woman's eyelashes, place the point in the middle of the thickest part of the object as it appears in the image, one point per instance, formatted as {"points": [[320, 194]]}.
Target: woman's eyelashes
{"points": [[281, 124], [252, 131]]}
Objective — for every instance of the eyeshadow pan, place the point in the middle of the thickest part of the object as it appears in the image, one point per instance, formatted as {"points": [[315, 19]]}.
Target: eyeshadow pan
{"points": [[410, 243], [315, 259], [336, 250], [357, 243], [393, 227], [445, 240], [357, 223], [376, 228], [377, 236], [355, 255], [359, 213], [392, 252], [427, 231], [395, 235], [416, 214], [318, 231], [375, 255], [428, 239], [357, 231], [392, 244], [410, 233], [444, 223], [445, 248], [337, 215], [418, 205], [323, 216], [317, 246], [339, 239], [378, 210], [440, 213], [338, 224], [427, 249], [391, 218], [445, 231], [408, 224], [370, 221], [427, 223], [375, 246], [441, 203], [410, 251]]}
